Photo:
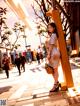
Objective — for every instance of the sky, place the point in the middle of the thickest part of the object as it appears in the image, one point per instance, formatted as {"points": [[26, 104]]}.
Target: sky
{"points": [[32, 37]]}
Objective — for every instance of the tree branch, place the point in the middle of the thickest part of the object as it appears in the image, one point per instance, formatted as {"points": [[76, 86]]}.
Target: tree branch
{"points": [[39, 16], [61, 8]]}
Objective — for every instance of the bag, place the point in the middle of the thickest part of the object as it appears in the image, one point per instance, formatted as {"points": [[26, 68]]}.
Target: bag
{"points": [[49, 69]]}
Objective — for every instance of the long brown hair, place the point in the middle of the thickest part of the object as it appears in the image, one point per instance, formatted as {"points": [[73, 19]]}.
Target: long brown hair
{"points": [[55, 29]]}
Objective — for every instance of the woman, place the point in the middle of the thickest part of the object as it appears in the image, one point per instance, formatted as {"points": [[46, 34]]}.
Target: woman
{"points": [[6, 62], [53, 54]]}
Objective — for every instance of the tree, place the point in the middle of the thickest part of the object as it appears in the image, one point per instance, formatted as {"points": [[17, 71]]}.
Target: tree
{"points": [[43, 7], [24, 35], [2, 22], [5, 38], [3, 12], [5, 32], [74, 10], [18, 30]]}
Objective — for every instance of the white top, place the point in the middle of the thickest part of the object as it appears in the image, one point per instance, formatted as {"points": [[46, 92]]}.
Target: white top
{"points": [[53, 39]]}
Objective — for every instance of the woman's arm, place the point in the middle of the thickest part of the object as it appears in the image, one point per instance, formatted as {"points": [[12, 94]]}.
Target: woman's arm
{"points": [[52, 43]]}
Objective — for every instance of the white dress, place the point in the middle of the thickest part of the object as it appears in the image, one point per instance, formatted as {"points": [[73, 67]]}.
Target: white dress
{"points": [[55, 54]]}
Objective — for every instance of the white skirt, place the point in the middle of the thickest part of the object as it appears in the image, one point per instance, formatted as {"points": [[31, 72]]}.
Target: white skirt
{"points": [[55, 57]]}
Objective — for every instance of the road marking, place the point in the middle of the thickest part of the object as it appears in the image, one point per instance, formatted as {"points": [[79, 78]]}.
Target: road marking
{"points": [[18, 93]]}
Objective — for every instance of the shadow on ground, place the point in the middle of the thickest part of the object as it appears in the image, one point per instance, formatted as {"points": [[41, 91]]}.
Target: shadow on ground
{"points": [[5, 89]]}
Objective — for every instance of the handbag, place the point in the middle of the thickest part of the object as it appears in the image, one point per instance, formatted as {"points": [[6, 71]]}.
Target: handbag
{"points": [[49, 69]]}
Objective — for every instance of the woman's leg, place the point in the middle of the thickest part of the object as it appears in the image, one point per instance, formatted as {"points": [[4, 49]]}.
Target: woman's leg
{"points": [[56, 83], [55, 75], [7, 73], [23, 65], [55, 70], [54, 63], [18, 66]]}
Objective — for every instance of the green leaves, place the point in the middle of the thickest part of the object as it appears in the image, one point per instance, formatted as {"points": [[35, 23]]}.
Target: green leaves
{"points": [[3, 11]]}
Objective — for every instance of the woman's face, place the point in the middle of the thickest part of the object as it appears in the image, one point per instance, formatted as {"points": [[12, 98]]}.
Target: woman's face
{"points": [[5, 56], [50, 29]]}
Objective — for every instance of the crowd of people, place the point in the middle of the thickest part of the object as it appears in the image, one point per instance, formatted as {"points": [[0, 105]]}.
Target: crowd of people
{"points": [[22, 58], [19, 63], [32, 55]]}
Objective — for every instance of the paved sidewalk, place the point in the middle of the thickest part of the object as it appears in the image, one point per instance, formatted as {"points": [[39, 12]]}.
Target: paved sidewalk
{"points": [[32, 88], [45, 99]]}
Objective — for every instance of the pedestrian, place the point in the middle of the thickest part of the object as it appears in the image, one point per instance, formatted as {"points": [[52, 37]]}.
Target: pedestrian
{"points": [[5, 63], [53, 54], [38, 57], [40, 52], [18, 63], [34, 55], [23, 61], [45, 51], [29, 56], [41, 56]]}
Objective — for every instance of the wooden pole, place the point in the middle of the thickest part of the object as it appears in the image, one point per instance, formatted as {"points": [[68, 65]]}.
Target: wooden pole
{"points": [[62, 45]]}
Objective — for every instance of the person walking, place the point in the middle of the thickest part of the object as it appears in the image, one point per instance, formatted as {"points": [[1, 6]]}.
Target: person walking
{"points": [[18, 63], [38, 57], [53, 54], [29, 56], [39, 54], [23, 61], [5, 63]]}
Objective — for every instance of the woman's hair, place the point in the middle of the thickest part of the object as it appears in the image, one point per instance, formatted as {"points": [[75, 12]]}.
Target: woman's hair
{"points": [[54, 26], [4, 54]]}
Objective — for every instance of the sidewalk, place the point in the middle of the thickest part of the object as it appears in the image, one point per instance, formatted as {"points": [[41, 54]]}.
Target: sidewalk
{"points": [[76, 61], [56, 99], [32, 88], [61, 98]]}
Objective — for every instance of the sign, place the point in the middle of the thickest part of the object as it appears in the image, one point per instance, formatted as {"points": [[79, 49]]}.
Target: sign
{"points": [[3, 102]]}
